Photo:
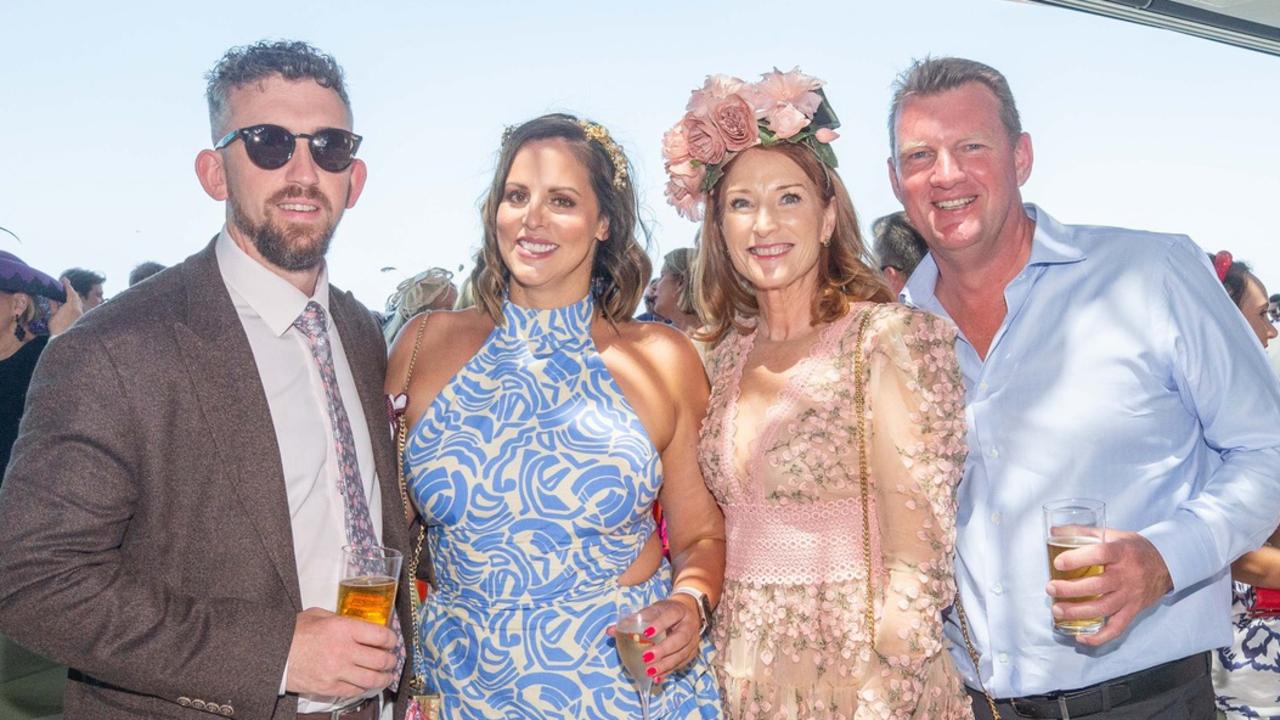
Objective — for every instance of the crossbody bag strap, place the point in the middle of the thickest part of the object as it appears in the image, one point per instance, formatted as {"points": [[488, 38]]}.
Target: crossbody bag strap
{"points": [[864, 489], [963, 621], [417, 682]]}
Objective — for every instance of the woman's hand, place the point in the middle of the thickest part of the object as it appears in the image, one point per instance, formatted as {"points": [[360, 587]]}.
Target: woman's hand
{"points": [[677, 616], [69, 312]]}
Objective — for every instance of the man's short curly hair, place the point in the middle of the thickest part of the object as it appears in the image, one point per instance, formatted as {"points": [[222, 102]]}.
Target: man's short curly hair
{"points": [[290, 59]]}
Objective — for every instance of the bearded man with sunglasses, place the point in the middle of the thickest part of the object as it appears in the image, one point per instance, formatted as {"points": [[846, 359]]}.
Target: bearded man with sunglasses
{"points": [[195, 454]]}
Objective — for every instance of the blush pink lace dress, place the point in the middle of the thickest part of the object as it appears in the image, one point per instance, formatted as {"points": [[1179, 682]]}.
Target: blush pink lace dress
{"points": [[791, 633]]}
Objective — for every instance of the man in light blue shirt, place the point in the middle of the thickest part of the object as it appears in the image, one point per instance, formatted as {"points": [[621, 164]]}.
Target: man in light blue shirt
{"points": [[1099, 363]]}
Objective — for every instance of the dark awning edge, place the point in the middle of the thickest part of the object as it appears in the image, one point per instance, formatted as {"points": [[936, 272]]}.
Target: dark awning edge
{"points": [[1198, 21]]}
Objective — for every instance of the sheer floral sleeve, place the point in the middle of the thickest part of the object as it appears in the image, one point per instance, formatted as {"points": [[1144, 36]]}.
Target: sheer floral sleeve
{"points": [[917, 451]]}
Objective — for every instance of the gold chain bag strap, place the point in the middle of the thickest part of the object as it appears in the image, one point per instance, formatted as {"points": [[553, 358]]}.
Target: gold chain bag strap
{"points": [[859, 407], [423, 705]]}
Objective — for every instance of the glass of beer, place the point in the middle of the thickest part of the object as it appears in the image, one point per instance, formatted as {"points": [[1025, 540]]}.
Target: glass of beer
{"points": [[632, 644], [1069, 524], [367, 586]]}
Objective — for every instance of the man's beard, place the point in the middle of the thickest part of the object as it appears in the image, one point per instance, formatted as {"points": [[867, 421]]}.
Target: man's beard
{"points": [[291, 247]]}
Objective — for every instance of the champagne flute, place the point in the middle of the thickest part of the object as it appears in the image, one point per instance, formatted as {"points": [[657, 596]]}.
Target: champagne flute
{"points": [[628, 634]]}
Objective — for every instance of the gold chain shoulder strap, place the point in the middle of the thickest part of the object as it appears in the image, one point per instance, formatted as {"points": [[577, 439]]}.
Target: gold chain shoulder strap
{"points": [[416, 682], [973, 654], [859, 407]]}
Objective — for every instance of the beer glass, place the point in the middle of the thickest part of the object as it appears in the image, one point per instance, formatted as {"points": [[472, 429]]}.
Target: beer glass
{"points": [[1069, 524], [367, 585], [628, 634]]}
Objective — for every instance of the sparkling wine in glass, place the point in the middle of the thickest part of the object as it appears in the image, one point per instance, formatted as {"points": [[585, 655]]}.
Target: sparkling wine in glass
{"points": [[632, 645]]}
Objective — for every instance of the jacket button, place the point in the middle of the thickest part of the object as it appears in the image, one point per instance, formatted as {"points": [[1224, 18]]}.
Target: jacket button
{"points": [[227, 710], [184, 701], [198, 704]]}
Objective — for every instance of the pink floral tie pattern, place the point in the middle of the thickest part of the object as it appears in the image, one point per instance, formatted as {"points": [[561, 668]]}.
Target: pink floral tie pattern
{"points": [[359, 522]]}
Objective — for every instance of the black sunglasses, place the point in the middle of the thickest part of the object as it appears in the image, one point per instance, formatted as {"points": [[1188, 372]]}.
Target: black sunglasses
{"points": [[270, 147]]}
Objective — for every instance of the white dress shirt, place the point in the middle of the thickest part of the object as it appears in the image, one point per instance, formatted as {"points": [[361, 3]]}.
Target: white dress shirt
{"points": [[268, 306]]}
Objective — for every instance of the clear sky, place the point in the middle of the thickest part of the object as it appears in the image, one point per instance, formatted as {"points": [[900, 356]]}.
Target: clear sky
{"points": [[102, 113]]}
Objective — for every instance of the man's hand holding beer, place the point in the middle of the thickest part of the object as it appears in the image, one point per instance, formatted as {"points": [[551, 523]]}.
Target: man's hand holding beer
{"points": [[1134, 577], [335, 656]]}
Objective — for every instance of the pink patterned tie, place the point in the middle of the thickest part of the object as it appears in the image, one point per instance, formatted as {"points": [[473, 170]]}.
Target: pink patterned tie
{"points": [[359, 523]]}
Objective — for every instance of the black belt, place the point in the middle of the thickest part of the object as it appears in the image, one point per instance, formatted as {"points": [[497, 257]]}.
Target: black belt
{"points": [[1132, 688]]}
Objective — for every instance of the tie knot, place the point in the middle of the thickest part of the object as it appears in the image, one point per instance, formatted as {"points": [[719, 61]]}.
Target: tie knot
{"points": [[311, 322]]}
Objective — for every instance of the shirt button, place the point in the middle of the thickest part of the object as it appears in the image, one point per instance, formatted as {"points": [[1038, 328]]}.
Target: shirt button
{"points": [[1003, 658], [995, 518], [993, 453], [997, 589], [982, 386]]}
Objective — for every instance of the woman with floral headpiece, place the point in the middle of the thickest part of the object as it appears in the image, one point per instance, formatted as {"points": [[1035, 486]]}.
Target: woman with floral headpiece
{"points": [[834, 437], [545, 424]]}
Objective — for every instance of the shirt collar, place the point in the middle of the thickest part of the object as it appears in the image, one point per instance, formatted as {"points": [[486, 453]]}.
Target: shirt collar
{"points": [[1050, 245], [272, 297]]}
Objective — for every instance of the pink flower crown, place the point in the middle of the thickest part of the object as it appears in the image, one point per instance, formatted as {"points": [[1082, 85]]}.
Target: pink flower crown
{"points": [[727, 116]]}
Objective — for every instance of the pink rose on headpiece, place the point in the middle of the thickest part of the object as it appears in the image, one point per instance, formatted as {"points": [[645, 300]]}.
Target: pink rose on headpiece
{"points": [[786, 101], [825, 135], [686, 203], [706, 145], [785, 121], [737, 123], [715, 89], [675, 149], [688, 175]]}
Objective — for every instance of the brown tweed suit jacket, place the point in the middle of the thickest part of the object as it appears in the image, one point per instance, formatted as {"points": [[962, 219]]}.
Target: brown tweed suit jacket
{"points": [[145, 538]]}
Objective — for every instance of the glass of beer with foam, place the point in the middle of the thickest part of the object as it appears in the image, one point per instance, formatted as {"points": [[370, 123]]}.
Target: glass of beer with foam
{"points": [[367, 585], [1069, 524]]}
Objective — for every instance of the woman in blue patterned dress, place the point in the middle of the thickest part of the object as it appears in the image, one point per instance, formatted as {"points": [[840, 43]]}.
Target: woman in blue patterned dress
{"points": [[544, 426]]}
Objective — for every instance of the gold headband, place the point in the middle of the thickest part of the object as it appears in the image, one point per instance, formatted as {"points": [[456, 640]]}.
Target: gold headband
{"points": [[595, 132]]}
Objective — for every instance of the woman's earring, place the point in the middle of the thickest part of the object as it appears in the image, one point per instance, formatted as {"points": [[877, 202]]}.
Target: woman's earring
{"points": [[19, 332]]}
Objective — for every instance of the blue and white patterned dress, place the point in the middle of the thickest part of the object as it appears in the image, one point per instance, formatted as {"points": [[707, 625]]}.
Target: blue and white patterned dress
{"points": [[537, 482], [1246, 675]]}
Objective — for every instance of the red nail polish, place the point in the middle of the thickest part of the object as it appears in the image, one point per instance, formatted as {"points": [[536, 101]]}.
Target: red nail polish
{"points": [[649, 631], [648, 657], [651, 671], [657, 681]]}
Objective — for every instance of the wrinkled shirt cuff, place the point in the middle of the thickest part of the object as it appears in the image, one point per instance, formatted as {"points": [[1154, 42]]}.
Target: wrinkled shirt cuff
{"points": [[1185, 546]]}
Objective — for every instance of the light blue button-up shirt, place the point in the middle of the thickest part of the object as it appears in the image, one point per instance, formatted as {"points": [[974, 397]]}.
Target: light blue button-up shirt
{"points": [[1121, 372]]}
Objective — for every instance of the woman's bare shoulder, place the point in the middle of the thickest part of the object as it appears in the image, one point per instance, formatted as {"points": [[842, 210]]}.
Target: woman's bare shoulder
{"points": [[437, 333]]}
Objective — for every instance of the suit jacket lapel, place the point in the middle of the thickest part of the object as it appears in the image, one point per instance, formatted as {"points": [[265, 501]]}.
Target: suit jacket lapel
{"points": [[230, 395]]}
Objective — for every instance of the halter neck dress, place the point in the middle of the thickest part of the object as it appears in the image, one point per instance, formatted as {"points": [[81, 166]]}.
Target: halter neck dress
{"points": [[537, 482]]}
